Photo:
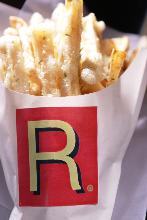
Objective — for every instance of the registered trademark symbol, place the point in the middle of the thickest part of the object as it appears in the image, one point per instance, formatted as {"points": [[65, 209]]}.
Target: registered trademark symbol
{"points": [[90, 188]]}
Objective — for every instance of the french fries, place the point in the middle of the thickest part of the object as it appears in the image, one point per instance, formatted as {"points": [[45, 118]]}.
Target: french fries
{"points": [[91, 58], [16, 22], [119, 44], [29, 62], [36, 18], [45, 61], [13, 77], [116, 64], [100, 27], [64, 55], [68, 54]]}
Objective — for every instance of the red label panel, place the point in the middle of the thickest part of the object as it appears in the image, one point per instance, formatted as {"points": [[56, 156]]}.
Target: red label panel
{"points": [[57, 156]]}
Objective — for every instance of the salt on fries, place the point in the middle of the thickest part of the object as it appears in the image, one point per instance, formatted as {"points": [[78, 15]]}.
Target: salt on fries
{"points": [[64, 55], [68, 52], [92, 66]]}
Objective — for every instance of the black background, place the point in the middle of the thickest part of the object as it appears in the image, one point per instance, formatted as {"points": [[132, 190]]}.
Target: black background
{"points": [[125, 15], [15, 3]]}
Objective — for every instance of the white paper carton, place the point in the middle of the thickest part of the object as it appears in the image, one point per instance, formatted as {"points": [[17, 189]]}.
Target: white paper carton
{"points": [[118, 108]]}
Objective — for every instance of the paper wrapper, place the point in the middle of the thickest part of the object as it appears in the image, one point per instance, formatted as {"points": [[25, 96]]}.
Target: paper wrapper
{"points": [[112, 113]]}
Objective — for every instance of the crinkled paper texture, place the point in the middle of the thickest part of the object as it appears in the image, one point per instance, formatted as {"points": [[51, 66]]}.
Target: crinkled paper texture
{"points": [[118, 110]]}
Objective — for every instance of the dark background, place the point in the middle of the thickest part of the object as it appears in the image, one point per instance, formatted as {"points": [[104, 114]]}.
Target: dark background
{"points": [[125, 15], [15, 3]]}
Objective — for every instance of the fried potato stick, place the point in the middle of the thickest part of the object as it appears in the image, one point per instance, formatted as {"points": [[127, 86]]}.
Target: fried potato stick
{"points": [[36, 18], [99, 27], [116, 65], [14, 78], [120, 44], [48, 69], [92, 63], [16, 22], [68, 36], [58, 12], [87, 88], [35, 86]]}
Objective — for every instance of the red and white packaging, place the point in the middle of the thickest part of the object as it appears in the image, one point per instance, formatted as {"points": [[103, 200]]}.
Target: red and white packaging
{"points": [[62, 156]]}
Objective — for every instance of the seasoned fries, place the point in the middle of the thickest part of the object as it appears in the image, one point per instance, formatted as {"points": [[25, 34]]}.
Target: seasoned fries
{"points": [[29, 62], [68, 54], [64, 55], [92, 66], [119, 44], [116, 64], [91, 57], [13, 74]]}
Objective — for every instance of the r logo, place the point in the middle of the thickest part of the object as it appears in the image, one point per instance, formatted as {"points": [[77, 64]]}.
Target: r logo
{"points": [[63, 156], [57, 156]]}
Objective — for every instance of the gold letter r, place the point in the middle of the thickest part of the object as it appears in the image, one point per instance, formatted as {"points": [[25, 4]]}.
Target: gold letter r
{"points": [[64, 155]]}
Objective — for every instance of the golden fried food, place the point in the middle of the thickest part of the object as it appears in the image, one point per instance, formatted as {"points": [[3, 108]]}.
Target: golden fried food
{"points": [[64, 55]]}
